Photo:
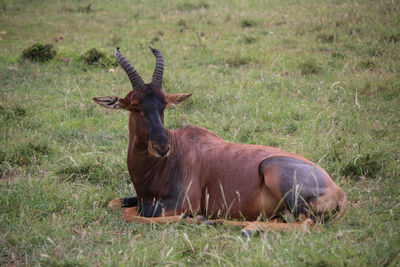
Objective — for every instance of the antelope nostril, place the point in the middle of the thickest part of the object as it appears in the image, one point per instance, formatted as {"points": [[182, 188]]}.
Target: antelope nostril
{"points": [[162, 151]]}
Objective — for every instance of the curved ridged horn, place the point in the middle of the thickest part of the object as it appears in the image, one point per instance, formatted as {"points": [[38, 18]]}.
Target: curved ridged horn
{"points": [[134, 77], [159, 69]]}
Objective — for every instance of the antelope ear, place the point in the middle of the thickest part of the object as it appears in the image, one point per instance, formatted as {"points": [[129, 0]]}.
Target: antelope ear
{"points": [[111, 102], [175, 99]]}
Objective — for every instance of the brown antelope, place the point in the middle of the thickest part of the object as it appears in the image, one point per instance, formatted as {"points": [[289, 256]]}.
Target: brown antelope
{"points": [[193, 171]]}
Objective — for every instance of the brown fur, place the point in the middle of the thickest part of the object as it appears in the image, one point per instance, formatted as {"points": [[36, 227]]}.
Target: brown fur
{"points": [[228, 173]]}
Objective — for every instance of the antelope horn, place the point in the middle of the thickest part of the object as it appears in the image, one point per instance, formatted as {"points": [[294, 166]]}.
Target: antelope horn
{"points": [[134, 77], [159, 69]]}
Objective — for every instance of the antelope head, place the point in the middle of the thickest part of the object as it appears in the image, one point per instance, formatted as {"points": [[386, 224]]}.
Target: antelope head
{"points": [[146, 102]]}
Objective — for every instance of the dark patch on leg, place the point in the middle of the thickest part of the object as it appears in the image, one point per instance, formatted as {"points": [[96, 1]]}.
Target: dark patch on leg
{"points": [[128, 202], [300, 182], [153, 209], [156, 209]]}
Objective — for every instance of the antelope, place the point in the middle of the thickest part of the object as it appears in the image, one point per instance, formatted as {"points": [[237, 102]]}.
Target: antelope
{"points": [[194, 172]]}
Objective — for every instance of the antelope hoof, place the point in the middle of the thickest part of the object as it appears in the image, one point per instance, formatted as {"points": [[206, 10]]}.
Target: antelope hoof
{"points": [[115, 204], [247, 232], [204, 221], [199, 219]]}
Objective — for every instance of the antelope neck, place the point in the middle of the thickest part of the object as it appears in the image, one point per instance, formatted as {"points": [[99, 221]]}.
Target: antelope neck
{"points": [[138, 132], [143, 166]]}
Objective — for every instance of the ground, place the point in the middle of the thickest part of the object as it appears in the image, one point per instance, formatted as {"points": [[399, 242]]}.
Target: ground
{"points": [[319, 78]]}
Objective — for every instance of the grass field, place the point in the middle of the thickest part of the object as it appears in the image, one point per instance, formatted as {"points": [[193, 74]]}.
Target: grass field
{"points": [[319, 78]]}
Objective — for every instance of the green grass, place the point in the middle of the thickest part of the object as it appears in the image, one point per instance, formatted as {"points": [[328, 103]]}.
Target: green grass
{"points": [[319, 78]]}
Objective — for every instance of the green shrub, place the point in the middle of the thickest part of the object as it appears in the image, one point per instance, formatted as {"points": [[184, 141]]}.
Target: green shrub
{"points": [[79, 9], [28, 153], [39, 52], [93, 56], [188, 6], [94, 171], [310, 66], [327, 37], [247, 23], [24, 154], [238, 59], [248, 39]]}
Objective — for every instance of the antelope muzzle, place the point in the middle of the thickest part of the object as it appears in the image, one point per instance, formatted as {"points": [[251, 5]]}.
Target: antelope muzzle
{"points": [[158, 150]]}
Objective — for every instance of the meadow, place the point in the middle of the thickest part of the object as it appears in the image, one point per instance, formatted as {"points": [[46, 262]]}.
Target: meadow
{"points": [[318, 78]]}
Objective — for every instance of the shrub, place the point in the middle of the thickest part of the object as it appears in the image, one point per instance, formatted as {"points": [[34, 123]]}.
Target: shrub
{"points": [[188, 6], [80, 9], [310, 66], [238, 60], [93, 171], [248, 39], [326, 37], [94, 56], [247, 23], [26, 154], [39, 52]]}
